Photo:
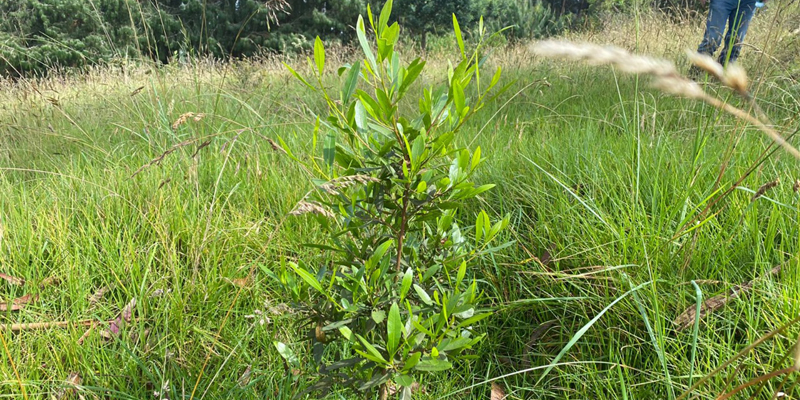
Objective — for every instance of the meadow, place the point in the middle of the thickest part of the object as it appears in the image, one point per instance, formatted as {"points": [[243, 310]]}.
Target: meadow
{"points": [[110, 191]]}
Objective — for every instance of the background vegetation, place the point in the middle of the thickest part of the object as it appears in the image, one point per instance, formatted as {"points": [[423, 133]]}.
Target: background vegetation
{"points": [[39, 35], [110, 191]]}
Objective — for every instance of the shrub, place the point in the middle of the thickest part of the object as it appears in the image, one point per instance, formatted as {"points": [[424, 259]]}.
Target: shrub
{"points": [[395, 300], [527, 19]]}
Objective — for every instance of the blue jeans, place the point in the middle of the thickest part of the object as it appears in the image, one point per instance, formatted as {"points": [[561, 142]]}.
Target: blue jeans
{"points": [[736, 14]]}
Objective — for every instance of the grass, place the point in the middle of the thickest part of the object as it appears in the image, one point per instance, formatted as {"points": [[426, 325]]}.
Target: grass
{"points": [[605, 180]]}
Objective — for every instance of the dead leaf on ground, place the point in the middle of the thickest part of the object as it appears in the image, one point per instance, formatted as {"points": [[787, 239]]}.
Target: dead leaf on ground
{"points": [[18, 303], [245, 378], [70, 386], [415, 388], [687, 318], [497, 392], [12, 279], [242, 282], [159, 293], [49, 281], [534, 338], [98, 295], [115, 325], [86, 334]]}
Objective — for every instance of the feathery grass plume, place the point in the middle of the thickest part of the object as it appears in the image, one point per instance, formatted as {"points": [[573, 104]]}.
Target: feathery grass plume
{"points": [[311, 207], [679, 86], [735, 78], [604, 55], [337, 184], [706, 63], [185, 117], [764, 188], [667, 78]]}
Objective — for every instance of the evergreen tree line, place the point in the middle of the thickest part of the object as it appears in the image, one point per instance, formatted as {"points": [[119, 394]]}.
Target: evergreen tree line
{"points": [[36, 35]]}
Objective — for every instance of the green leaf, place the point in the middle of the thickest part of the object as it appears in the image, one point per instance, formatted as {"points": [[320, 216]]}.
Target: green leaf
{"points": [[408, 278], [404, 380], [413, 72], [422, 187], [423, 295], [406, 394], [336, 325], [383, 21], [482, 188], [379, 253], [459, 39], [495, 78], [474, 319], [361, 116], [412, 361], [462, 270], [319, 54], [458, 96], [351, 83], [455, 344], [394, 328], [371, 350], [479, 227], [286, 353], [465, 314], [306, 276], [378, 316], [391, 35], [329, 150], [376, 380], [362, 39], [300, 78], [346, 332], [476, 158], [433, 365], [417, 148]]}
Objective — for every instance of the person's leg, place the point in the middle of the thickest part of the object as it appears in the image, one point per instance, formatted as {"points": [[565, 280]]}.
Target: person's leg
{"points": [[738, 21], [718, 13]]}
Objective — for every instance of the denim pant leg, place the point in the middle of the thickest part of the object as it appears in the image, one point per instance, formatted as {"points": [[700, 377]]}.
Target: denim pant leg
{"points": [[718, 13], [738, 21]]}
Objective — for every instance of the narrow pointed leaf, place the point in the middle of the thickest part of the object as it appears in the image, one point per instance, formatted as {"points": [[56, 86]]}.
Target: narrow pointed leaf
{"points": [[394, 328]]}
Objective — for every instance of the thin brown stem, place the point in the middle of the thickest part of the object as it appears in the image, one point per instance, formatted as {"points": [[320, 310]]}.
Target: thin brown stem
{"points": [[761, 378], [403, 226]]}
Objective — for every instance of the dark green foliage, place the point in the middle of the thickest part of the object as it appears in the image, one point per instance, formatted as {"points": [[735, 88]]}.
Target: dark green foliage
{"points": [[36, 34], [330, 19], [39, 34], [526, 19], [422, 17]]}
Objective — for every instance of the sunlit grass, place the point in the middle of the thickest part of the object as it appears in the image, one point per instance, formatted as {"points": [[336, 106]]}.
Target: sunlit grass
{"points": [[605, 181]]}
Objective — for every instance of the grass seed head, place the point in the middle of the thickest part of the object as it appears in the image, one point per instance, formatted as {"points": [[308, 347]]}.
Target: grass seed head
{"points": [[335, 185], [735, 77], [764, 188], [706, 63], [604, 55], [679, 86], [196, 117], [275, 146], [311, 207]]}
